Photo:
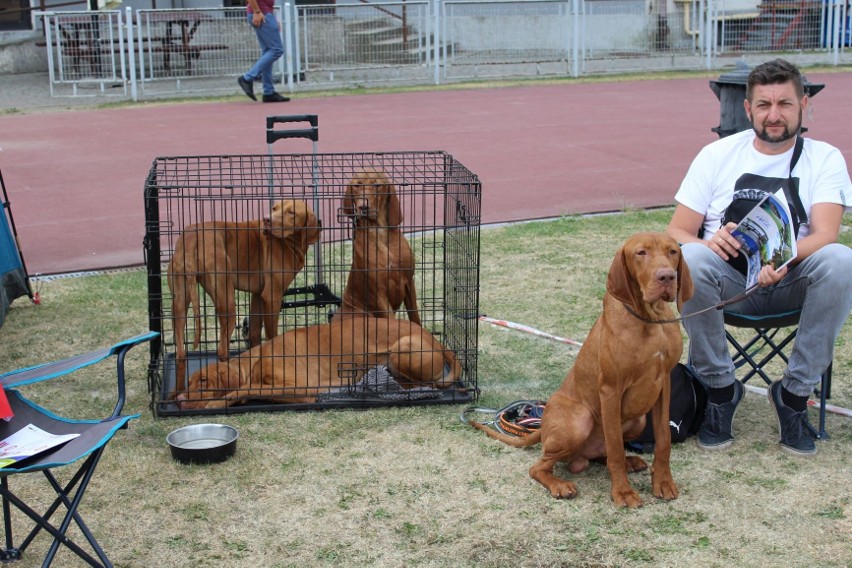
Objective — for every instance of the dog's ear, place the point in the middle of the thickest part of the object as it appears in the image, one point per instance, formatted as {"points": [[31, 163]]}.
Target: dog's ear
{"points": [[347, 203], [619, 282], [311, 232], [685, 288], [394, 210]]}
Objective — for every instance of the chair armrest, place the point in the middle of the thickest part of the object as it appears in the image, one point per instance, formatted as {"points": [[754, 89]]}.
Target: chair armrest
{"points": [[63, 367]]}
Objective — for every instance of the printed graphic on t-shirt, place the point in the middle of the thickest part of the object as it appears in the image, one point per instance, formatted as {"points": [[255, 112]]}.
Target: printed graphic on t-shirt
{"points": [[752, 185]]}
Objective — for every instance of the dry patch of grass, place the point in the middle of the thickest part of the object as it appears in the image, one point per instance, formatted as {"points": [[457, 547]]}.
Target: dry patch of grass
{"points": [[412, 486]]}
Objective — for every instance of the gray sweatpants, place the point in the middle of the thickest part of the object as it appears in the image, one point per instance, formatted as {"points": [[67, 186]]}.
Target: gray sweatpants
{"points": [[821, 286]]}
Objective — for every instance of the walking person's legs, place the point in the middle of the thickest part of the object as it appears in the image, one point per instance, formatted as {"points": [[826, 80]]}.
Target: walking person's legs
{"points": [[271, 49]]}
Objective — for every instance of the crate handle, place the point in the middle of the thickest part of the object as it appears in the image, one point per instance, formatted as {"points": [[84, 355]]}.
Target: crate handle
{"points": [[311, 133]]}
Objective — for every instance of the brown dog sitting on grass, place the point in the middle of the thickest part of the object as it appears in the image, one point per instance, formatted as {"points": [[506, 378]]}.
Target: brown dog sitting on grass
{"points": [[621, 373], [301, 363], [261, 257]]}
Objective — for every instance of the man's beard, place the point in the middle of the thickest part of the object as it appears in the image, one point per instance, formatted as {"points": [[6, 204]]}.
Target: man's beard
{"points": [[786, 135]]}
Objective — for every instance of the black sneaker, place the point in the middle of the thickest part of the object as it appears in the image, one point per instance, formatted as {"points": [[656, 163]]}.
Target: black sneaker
{"points": [[716, 432], [247, 87], [798, 437], [275, 98]]}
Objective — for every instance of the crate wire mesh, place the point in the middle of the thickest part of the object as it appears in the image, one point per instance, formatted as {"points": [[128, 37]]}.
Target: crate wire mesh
{"points": [[440, 202]]}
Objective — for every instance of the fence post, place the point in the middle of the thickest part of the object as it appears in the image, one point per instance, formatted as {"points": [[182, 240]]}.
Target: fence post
{"points": [[297, 46], [704, 12], [289, 43], [131, 60], [575, 8], [838, 33], [48, 36], [436, 42]]}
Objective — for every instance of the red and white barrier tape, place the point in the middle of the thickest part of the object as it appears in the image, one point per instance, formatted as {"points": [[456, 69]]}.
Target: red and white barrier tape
{"points": [[528, 329]]}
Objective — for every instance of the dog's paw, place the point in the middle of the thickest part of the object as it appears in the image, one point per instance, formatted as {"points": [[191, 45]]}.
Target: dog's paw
{"points": [[665, 489], [626, 498], [634, 464], [563, 490]]}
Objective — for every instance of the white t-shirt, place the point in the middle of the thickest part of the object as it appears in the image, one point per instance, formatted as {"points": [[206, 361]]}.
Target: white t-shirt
{"points": [[709, 184]]}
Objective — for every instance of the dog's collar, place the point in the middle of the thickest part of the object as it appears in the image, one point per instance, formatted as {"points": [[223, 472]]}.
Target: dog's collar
{"points": [[633, 313], [739, 297]]}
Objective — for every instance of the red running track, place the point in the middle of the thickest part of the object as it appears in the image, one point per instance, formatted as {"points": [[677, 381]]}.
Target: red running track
{"points": [[75, 178]]}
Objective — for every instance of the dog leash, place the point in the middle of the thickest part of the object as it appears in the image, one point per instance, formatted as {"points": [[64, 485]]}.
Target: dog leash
{"points": [[519, 418], [738, 298]]}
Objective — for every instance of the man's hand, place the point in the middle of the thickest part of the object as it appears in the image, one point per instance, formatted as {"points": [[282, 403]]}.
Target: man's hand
{"points": [[257, 19], [724, 244], [769, 276]]}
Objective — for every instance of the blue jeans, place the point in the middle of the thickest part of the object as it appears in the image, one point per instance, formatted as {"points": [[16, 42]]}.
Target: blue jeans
{"points": [[820, 286], [271, 49]]}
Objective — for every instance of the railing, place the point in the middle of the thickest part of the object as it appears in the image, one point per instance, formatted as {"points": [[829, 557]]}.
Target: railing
{"points": [[86, 49], [159, 52], [379, 42], [178, 47]]}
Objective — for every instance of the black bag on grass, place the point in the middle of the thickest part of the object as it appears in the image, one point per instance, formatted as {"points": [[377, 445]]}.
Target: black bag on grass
{"points": [[686, 410]]}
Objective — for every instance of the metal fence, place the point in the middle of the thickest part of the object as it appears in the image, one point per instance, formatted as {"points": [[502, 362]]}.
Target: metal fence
{"points": [[86, 49], [366, 43], [160, 52]]}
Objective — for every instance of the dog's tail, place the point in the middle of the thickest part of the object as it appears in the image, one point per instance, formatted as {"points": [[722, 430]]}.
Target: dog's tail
{"points": [[530, 439], [195, 305], [452, 370], [189, 288]]}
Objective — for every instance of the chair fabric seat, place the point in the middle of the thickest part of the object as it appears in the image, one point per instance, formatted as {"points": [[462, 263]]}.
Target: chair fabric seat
{"points": [[93, 434], [785, 319]]}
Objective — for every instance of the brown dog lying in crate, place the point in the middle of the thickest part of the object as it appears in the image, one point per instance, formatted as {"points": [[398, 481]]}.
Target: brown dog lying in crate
{"points": [[260, 256], [301, 363], [621, 373], [381, 278]]}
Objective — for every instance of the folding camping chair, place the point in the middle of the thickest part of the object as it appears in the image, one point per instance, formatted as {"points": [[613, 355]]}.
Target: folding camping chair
{"points": [[769, 332], [88, 446]]}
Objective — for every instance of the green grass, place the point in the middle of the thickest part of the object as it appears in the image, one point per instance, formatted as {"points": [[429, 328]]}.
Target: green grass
{"points": [[413, 486]]}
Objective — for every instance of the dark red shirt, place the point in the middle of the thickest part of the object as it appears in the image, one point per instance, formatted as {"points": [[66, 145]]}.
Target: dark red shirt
{"points": [[266, 6]]}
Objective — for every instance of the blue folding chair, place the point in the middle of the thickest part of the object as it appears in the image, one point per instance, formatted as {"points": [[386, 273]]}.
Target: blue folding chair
{"points": [[773, 333], [87, 447]]}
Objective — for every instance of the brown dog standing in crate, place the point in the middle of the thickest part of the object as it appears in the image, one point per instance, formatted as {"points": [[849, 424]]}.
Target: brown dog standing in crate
{"points": [[300, 363], [381, 278], [259, 256], [621, 373]]}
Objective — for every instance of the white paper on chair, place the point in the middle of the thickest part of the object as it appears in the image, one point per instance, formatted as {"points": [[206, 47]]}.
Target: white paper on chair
{"points": [[27, 442]]}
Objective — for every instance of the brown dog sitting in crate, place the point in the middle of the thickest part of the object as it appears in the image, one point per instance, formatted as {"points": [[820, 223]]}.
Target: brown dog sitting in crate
{"points": [[621, 373], [381, 278], [301, 363], [261, 257]]}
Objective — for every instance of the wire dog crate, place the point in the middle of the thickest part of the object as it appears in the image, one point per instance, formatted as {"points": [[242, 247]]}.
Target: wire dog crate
{"points": [[198, 206]]}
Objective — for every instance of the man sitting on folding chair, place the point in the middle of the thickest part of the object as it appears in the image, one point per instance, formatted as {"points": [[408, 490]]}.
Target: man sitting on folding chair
{"points": [[768, 157]]}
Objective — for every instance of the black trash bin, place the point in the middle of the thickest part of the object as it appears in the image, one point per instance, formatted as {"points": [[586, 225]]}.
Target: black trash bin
{"points": [[730, 89]]}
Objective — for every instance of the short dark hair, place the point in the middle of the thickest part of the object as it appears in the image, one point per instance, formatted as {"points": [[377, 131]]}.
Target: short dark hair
{"points": [[775, 72]]}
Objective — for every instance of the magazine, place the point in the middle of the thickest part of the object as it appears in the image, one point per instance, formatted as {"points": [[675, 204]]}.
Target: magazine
{"points": [[27, 442], [766, 235]]}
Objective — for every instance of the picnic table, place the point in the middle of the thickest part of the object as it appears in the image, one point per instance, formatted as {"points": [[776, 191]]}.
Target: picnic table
{"points": [[180, 30]]}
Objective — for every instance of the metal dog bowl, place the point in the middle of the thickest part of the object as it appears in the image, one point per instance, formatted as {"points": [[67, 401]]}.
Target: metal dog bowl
{"points": [[203, 443]]}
